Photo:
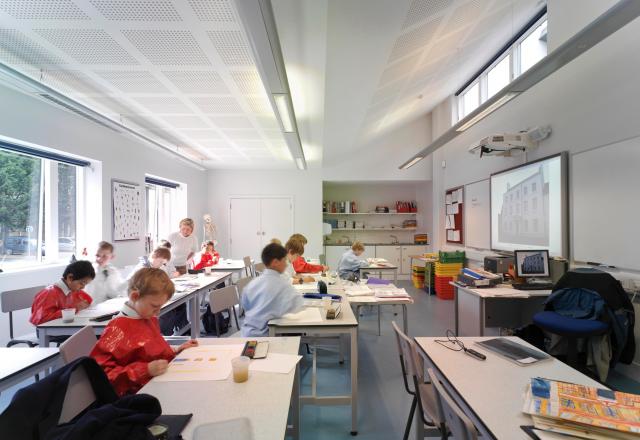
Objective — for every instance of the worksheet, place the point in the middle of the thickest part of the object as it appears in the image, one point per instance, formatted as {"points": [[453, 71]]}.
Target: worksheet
{"points": [[205, 362]]}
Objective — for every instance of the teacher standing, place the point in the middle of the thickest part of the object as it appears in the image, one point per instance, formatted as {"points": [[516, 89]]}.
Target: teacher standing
{"points": [[184, 245]]}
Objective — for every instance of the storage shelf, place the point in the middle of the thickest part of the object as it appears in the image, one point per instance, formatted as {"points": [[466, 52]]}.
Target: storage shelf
{"points": [[373, 229], [370, 213]]}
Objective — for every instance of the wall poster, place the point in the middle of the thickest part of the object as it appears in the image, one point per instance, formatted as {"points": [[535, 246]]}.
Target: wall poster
{"points": [[127, 210]]}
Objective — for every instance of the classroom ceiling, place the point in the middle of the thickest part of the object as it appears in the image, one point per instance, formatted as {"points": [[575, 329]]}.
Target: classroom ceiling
{"points": [[182, 71]]}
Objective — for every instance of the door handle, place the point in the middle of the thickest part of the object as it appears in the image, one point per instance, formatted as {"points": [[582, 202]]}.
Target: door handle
{"points": [[258, 233], [263, 233]]}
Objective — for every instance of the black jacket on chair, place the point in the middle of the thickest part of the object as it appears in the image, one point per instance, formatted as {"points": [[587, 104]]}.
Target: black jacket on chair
{"points": [[611, 291], [35, 410]]}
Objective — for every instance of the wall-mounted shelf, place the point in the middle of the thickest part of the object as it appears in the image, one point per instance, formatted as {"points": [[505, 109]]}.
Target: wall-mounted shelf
{"points": [[374, 229], [369, 213]]}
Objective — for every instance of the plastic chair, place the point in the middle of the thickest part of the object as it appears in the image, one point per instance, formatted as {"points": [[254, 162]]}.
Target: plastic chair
{"points": [[248, 267], [423, 393], [78, 345], [224, 299], [459, 424], [79, 395], [259, 268], [19, 299], [240, 285]]}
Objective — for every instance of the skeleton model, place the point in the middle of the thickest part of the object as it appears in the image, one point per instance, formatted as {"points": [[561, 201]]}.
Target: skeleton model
{"points": [[209, 228]]}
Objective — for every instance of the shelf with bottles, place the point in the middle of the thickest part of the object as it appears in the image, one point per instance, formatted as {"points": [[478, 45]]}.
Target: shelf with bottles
{"points": [[399, 229], [328, 214], [351, 207]]}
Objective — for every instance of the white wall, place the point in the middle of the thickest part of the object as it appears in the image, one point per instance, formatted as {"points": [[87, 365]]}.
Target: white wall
{"points": [[304, 186], [591, 102]]}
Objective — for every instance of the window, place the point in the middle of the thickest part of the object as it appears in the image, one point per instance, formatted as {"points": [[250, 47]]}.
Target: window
{"points": [[163, 208], [534, 204], [470, 100], [533, 187], [534, 47], [535, 225], [499, 76], [525, 206], [524, 190], [526, 226], [38, 207]]}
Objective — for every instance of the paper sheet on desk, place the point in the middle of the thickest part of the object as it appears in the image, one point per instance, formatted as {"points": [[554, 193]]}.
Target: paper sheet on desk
{"points": [[205, 362], [308, 314], [505, 291], [275, 363], [110, 306], [358, 290], [306, 288]]}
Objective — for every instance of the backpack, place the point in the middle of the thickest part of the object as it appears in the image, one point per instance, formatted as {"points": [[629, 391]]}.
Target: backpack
{"points": [[209, 322]]}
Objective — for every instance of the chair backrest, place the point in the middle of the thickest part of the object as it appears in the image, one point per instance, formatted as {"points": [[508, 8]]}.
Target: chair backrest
{"points": [[323, 259], [242, 283], [78, 397], [223, 299], [407, 370], [459, 424], [79, 344], [259, 268], [18, 299], [248, 267]]}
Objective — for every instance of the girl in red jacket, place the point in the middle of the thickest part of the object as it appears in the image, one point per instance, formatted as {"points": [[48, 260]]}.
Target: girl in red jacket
{"points": [[209, 256], [295, 246], [132, 350], [66, 293]]}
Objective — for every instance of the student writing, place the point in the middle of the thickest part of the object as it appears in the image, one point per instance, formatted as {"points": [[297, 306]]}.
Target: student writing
{"points": [[350, 262]]}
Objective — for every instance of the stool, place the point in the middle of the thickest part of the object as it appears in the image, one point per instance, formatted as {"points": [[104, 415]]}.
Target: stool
{"points": [[570, 328]]}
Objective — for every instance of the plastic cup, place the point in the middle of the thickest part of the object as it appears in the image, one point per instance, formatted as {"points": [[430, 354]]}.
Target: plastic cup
{"points": [[326, 302], [207, 271], [68, 315], [240, 367]]}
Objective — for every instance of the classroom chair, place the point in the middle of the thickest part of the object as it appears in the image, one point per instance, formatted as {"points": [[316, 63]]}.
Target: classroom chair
{"points": [[225, 298], [78, 345], [459, 424], [240, 285], [248, 267], [19, 299], [423, 392], [259, 268]]}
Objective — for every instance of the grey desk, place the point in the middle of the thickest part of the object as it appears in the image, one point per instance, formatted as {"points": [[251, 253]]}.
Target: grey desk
{"points": [[193, 297], [381, 268], [264, 399], [359, 301], [20, 363], [480, 312], [345, 324], [490, 391]]}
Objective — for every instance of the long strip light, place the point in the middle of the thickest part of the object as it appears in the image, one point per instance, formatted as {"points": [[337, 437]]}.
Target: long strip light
{"points": [[488, 110], [284, 115], [618, 16], [300, 163]]}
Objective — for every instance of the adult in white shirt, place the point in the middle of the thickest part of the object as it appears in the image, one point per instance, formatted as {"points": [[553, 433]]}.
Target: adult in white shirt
{"points": [[184, 245]]}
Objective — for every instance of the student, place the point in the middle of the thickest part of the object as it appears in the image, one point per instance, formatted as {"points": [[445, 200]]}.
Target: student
{"points": [[158, 259], [294, 249], [269, 296], [184, 245], [301, 238], [108, 282], [276, 241], [209, 257], [170, 268], [300, 265], [131, 349], [350, 263], [65, 293]]}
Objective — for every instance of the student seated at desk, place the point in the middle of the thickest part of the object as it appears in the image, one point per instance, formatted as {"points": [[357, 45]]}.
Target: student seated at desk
{"points": [[269, 296], [108, 282], [209, 257], [131, 349], [66, 293], [169, 267], [158, 259], [293, 248], [300, 265], [350, 263]]}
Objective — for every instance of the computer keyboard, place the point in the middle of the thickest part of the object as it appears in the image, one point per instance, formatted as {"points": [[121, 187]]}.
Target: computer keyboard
{"points": [[533, 286]]}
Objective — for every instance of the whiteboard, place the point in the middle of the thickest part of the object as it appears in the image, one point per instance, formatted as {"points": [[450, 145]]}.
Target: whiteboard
{"points": [[477, 215], [605, 187]]}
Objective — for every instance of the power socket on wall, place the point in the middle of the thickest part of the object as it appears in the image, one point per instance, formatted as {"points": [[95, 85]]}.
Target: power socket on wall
{"points": [[444, 164]]}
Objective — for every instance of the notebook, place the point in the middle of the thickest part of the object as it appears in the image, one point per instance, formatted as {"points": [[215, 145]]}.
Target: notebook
{"points": [[513, 351]]}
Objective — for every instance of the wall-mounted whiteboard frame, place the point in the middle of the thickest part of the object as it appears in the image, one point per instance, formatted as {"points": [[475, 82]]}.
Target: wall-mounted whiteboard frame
{"points": [[477, 214], [127, 214]]}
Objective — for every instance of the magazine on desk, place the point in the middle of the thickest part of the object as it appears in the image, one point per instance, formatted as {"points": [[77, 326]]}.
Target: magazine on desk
{"points": [[582, 411]]}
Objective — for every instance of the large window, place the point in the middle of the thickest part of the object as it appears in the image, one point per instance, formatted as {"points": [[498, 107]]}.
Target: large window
{"points": [[525, 50], [38, 209], [164, 209]]}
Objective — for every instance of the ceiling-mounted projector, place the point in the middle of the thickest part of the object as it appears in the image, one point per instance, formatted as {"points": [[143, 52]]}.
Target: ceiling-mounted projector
{"points": [[510, 144]]}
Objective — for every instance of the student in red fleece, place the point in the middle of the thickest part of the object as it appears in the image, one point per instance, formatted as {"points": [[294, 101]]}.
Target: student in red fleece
{"points": [[132, 350], [295, 245], [209, 257], [65, 293]]}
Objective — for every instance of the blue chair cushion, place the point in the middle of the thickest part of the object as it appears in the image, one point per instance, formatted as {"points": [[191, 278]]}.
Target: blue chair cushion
{"points": [[562, 325]]}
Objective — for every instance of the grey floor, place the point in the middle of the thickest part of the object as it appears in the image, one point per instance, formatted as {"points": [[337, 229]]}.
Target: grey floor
{"points": [[383, 403]]}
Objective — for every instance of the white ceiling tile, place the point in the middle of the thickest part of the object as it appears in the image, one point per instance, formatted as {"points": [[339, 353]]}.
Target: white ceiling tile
{"points": [[213, 10], [414, 40], [268, 122], [449, 45], [133, 81], [137, 10], [389, 91], [421, 10], [164, 105], [208, 133], [186, 121], [217, 104], [70, 81], [260, 105], [398, 69], [244, 144], [257, 152], [466, 14], [232, 47], [240, 134], [43, 9], [17, 49], [203, 81], [168, 47], [88, 46], [248, 81], [231, 122], [213, 143], [274, 135], [115, 105]]}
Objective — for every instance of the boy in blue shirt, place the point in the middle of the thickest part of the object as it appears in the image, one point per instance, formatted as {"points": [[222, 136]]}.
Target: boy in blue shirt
{"points": [[350, 262], [270, 295]]}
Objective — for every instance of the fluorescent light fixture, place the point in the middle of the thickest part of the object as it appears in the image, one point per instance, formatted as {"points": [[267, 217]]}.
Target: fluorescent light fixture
{"points": [[411, 163], [284, 115], [487, 111], [301, 164]]}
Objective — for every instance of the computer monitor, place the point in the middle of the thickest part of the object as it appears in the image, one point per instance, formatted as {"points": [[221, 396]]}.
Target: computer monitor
{"points": [[532, 263]]}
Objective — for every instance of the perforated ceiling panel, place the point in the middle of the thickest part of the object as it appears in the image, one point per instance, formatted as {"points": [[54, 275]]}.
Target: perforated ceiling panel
{"points": [[70, 81], [133, 81], [232, 47], [43, 9], [260, 105], [180, 121], [168, 47], [414, 40], [16, 49], [137, 10], [88, 46], [209, 133], [213, 10], [164, 105], [241, 134], [217, 104], [398, 69], [421, 10], [248, 82], [467, 14], [231, 122], [201, 81]]}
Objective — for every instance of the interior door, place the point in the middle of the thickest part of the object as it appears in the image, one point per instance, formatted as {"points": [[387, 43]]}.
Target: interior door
{"points": [[244, 228], [276, 219]]}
